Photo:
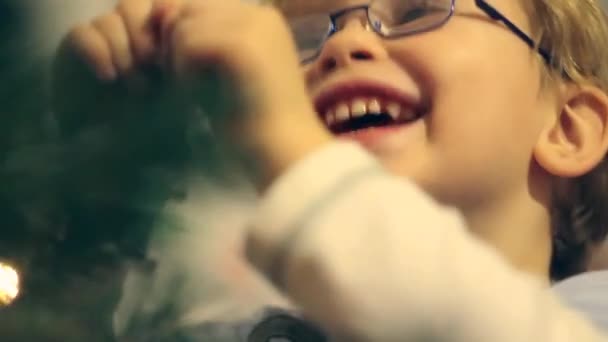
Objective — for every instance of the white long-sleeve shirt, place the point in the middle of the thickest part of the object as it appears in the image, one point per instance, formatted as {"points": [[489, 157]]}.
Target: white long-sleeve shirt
{"points": [[374, 257], [370, 257]]}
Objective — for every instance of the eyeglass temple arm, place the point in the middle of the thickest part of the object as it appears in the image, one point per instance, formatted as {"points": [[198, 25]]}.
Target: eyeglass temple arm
{"points": [[494, 14]]}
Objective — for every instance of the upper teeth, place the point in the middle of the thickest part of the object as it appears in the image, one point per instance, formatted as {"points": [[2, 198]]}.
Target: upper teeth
{"points": [[374, 106], [342, 112], [359, 107]]}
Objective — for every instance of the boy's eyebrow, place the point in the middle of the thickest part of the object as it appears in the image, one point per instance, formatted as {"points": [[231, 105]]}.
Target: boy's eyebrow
{"points": [[293, 8]]}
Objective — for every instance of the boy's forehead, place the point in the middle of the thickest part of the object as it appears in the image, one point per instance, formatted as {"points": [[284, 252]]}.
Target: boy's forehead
{"points": [[304, 7]]}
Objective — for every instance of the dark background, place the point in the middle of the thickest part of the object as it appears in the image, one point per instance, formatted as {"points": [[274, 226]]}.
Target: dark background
{"points": [[80, 184]]}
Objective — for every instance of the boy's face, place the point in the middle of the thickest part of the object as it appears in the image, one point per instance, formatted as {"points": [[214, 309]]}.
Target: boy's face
{"points": [[476, 86]]}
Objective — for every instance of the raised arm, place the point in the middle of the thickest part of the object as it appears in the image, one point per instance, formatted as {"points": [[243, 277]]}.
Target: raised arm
{"points": [[371, 257]]}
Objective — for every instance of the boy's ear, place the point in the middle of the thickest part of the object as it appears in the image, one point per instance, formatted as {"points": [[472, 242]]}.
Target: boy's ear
{"points": [[576, 141]]}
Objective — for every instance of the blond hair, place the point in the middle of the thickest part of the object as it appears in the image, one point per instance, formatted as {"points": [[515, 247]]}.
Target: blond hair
{"points": [[575, 32]]}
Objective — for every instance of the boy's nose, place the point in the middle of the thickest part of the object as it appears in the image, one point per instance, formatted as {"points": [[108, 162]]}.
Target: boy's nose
{"points": [[354, 43]]}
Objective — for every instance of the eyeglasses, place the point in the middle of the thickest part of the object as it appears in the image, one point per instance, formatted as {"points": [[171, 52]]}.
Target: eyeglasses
{"points": [[391, 19]]}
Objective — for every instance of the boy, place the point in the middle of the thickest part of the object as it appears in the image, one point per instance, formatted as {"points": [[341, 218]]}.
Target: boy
{"points": [[435, 92]]}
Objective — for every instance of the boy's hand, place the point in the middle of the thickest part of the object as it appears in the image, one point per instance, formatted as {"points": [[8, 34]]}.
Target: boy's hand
{"points": [[115, 43], [252, 47], [94, 73]]}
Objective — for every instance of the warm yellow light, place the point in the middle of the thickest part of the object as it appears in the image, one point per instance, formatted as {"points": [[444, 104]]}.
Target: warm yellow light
{"points": [[9, 284]]}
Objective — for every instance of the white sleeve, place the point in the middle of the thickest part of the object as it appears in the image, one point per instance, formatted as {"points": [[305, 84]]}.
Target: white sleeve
{"points": [[370, 257], [199, 271]]}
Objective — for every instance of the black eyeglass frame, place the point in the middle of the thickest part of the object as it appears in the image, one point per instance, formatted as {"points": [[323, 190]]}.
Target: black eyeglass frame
{"points": [[491, 11]]}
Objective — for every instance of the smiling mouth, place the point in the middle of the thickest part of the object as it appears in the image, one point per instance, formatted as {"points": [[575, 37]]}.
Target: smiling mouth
{"points": [[355, 108], [359, 114]]}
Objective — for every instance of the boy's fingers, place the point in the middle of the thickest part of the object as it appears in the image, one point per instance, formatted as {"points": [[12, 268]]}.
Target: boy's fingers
{"points": [[91, 46], [162, 8], [190, 7], [136, 15], [164, 16], [112, 27]]}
